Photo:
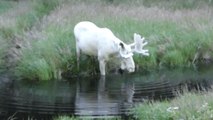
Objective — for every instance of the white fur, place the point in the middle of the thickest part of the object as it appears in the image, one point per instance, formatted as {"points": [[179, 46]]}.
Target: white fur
{"points": [[101, 42]]}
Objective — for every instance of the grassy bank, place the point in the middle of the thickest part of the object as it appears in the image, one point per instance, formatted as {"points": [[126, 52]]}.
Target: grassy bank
{"points": [[18, 17], [178, 36], [188, 106]]}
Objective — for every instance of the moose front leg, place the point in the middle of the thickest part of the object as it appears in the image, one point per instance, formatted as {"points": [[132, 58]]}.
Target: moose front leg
{"points": [[102, 65], [78, 53], [102, 58]]}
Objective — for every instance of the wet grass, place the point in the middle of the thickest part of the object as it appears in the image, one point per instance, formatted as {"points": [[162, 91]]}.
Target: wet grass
{"points": [[178, 37], [190, 106]]}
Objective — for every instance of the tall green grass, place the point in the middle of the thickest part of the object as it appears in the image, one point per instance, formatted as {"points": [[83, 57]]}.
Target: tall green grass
{"points": [[27, 19], [3, 46], [168, 4], [40, 9], [5, 5], [46, 58], [178, 4], [188, 106], [4, 32], [171, 43], [44, 7], [23, 23]]}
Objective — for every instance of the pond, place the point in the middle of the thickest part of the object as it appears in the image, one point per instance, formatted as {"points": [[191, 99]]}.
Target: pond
{"points": [[113, 95]]}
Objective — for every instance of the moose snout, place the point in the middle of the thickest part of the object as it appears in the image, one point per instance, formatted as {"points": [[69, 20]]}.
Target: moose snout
{"points": [[130, 70]]}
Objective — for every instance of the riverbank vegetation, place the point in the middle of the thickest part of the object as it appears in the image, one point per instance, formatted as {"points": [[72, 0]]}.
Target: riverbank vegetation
{"points": [[38, 43], [84, 118], [187, 106]]}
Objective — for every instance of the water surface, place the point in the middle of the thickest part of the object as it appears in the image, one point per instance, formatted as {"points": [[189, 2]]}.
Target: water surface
{"points": [[113, 95]]}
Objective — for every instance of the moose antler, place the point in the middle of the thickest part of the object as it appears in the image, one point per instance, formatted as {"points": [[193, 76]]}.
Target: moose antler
{"points": [[138, 45]]}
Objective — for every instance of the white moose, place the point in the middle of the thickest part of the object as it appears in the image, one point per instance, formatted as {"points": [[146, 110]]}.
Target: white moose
{"points": [[101, 42]]}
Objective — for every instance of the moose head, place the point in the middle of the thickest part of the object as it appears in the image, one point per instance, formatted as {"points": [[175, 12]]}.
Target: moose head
{"points": [[127, 51]]}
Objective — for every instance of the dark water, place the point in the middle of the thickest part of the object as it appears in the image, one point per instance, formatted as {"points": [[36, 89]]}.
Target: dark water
{"points": [[97, 96]]}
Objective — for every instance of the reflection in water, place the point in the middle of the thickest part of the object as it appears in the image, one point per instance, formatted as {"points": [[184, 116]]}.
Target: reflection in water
{"points": [[101, 100], [94, 96]]}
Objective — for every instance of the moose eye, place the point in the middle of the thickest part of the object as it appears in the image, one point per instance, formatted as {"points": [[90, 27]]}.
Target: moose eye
{"points": [[129, 55]]}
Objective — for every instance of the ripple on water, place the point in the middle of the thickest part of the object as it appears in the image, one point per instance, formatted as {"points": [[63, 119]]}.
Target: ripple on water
{"points": [[111, 96]]}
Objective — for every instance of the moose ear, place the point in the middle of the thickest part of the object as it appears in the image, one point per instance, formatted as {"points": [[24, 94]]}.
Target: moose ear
{"points": [[122, 45], [123, 51]]}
